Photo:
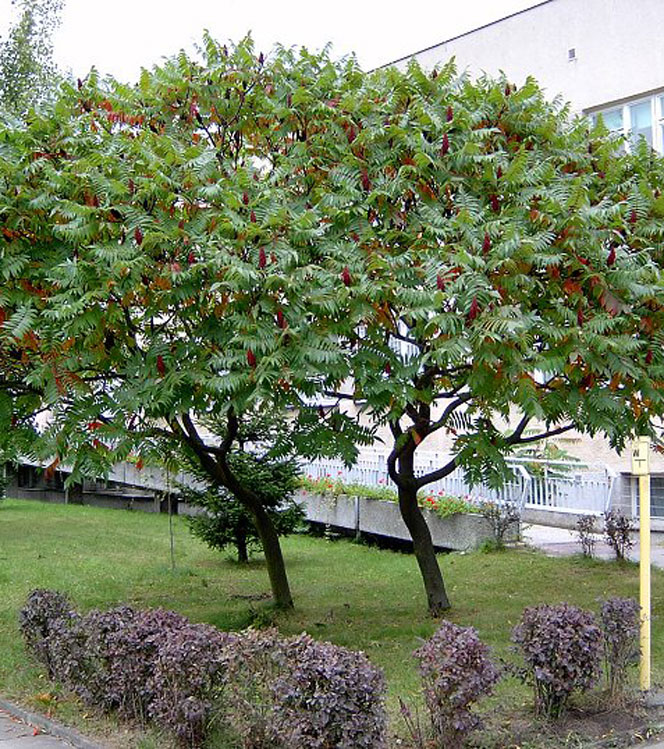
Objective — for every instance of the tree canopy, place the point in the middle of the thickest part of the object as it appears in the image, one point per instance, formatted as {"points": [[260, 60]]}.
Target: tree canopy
{"points": [[27, 72], [243, 233]]}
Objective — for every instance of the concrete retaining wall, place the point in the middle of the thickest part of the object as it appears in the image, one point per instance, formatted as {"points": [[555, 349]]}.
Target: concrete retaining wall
{"points": [[458, 532]]}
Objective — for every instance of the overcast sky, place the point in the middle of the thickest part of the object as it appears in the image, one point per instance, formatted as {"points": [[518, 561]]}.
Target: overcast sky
{"points": [[121, 36]]}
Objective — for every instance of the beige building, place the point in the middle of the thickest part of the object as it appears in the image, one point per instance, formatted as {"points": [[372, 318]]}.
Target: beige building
{"points": [[600, 55]]}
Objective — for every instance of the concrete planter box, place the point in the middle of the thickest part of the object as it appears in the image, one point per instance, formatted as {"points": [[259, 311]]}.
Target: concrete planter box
{"points": [[459, 532]]}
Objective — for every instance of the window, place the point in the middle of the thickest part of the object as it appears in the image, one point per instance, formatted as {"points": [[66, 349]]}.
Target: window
{"points": [[613, 120], [640, 117]]}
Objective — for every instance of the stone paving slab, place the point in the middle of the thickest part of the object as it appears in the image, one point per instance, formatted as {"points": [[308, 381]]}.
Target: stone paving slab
{"points": [[560, 542], [15, 734]]}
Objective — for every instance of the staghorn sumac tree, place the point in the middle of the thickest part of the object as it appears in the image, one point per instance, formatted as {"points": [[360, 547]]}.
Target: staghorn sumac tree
{"points": [[445, 256], [505, 260], [161, 255]]}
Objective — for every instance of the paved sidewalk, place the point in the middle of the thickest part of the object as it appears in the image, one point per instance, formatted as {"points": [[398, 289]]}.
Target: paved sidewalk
{"points": [[560, 542], [15, 734]]}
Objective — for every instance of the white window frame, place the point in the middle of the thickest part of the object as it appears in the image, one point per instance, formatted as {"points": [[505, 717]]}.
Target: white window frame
{"points": [[656, 119]]}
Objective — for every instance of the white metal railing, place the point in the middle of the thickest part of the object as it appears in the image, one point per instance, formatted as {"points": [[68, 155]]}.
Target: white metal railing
{"points": [[563, 486]]}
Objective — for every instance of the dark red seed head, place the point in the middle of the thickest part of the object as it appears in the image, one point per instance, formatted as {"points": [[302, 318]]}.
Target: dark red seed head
{"points": [[649, 357], [251, 358], [632, 217], [495, 203], [345, 276], [138, 235], [474, 309], [262, 259], [611, 259], [508, 89], [440, 282], [579, 316], [131, 186], [486, 244], [252, 217], [191, 258], [444, 149], [161, 367], [450, 113], [351, 134], [388, 368], [281, 320], [366, 182], [245, 198], [499, 173]]}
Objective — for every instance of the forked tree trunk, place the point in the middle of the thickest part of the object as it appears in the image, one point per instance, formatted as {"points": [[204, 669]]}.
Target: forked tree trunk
{"points": [[425, 554]]}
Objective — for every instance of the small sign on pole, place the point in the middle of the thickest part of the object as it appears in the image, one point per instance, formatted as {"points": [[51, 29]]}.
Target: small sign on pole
{"points": [[641, 468]]}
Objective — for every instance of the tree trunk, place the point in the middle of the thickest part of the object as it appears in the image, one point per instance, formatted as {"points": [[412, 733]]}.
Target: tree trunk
{"points": [[274, 560], [241, 545], [425, 554]]}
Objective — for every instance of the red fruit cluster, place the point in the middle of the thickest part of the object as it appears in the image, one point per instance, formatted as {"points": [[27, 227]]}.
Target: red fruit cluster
{"points": [[281, 320], [251, 358], [486, 244], [345, 276], [138, 235], [245, 198], [474, 309], [262, 259], [161, 367], [450, 113], [611, 259], [444, 149]]}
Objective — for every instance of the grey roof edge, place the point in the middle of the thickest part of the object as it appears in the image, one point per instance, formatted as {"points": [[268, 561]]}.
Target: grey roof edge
{"points": [[465, 33]]}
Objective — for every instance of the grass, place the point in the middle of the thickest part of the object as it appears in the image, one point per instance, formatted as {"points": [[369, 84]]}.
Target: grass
{"points": [[350, 594]]}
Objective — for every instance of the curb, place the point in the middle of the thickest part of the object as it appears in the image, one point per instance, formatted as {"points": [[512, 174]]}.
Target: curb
{"points": [[48, 726]]}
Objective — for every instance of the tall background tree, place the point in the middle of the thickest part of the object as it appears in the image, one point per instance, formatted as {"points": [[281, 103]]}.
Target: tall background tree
{"points": [[28, 74]]}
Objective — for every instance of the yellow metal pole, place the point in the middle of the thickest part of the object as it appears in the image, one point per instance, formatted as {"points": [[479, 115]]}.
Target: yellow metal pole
{"points": [[641, 467], [644, 565]]}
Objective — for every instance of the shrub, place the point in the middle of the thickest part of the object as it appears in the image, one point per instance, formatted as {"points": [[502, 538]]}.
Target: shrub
{"points": [[122, 656], [188, 677], [620, 618], [97, 683], [501, 517], [328, 696], [303, 693], [256, 661], [42, 610], [617, 531], [561, 646], [585, 531], [456, 671]]}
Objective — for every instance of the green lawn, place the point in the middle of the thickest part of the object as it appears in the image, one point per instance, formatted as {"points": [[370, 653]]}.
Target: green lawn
{"points": [[349, 594]]}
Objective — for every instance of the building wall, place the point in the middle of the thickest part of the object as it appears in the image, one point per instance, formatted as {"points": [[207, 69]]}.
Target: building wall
{"points": [[619, 51]]}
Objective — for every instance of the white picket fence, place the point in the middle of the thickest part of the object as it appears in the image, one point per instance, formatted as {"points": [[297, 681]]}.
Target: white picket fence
{"points": [[546, 485]]}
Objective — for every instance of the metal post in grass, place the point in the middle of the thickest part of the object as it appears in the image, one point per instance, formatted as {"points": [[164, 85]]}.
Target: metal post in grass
{"points": [[641, 468]]}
